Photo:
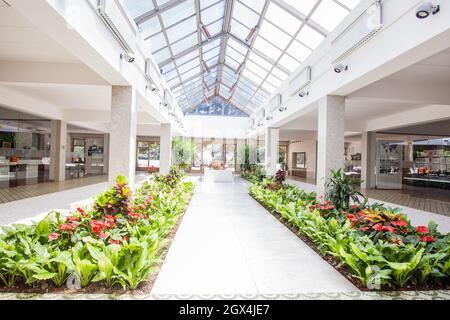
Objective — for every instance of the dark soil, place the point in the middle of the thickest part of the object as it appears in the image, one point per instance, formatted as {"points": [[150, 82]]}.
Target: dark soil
{"points": [[99, 288], [334, 262]]}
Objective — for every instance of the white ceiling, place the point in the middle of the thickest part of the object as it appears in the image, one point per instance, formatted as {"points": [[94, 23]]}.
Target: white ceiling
{"points": [[70, 97], [435, 69], [21, 41]]}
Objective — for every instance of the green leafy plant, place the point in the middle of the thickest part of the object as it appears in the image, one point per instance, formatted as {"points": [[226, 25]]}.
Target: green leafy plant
{"points": [[341, 190]]}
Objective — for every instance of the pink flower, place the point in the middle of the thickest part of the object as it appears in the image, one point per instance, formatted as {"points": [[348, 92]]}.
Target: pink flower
{"points": [[400, 223], [389, 229], [53, 236], [354, 206], [378, 227], [68, 226]]}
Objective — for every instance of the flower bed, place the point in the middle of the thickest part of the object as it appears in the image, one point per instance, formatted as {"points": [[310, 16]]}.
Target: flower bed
{"points": [[377, 246], [117, 243]]}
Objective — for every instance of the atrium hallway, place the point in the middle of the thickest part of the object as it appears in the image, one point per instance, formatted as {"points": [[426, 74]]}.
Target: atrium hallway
{"points": [[228, 243]]}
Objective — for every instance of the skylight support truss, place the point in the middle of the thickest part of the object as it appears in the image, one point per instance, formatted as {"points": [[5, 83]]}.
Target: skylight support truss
{"points": [[198, 67]]}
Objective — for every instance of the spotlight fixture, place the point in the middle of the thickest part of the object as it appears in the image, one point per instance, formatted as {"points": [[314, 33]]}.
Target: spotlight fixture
{"points": [[282, 109], [303, 94], [269, 117], [427, 9], [338, 68], [129, 57], [151, 87]]}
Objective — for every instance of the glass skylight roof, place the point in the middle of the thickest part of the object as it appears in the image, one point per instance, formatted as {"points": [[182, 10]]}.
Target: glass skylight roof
{"points": [[237, 50]]}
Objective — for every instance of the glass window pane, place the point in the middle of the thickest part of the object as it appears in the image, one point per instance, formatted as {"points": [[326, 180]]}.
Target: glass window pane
{"points": [[253, 67], [299, 51], [244, 15], [184, 44], [256, 5], [187, 57], [282, 19], [235, 55], [161, 55], [351, 4], [271, 33], [188, 66], [178, 13], [266, 48], [156, 42], [268, 87], [279, 74], [239, 30], [310, 37], [213, 13], [206, 3], [304, 6], [232, 63], [136, 8], [215, 28], [329, 14], [237, 46], [190, 73], [150, 27], [182, 29], [252, 77], [260, 61], [274, 80], [289, 63], [212, 53]]}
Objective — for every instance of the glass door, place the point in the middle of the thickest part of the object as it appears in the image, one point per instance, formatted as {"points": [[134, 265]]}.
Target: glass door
{"points": [[147, 155]]}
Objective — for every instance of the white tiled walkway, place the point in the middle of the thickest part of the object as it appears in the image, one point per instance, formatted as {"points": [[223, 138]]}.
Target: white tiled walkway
{"points": [[228, 244]]}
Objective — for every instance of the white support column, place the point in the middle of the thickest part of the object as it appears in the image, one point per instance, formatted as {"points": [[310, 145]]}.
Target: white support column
{"points": [[165, 148], [122, 138], [368, 159], [105, 153], [58, 150], [240, 152], [330, 152], [272, 149], [253, 150]]}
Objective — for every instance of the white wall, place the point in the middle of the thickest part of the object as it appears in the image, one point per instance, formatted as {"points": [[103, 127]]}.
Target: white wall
{"points": [[216, 127], [308, 146]]}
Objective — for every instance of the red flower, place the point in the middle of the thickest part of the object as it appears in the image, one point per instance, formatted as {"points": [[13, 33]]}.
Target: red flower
{"points": [[354, 206], [400, 223], [361, 214], [82, 212], [389, 229], [111, 241], [422, 229], [351, 216], [68, 226], [427, 238], [364, 228], [53, 236], [378, 227], [95, 229], [124, 238], [72, 218]]}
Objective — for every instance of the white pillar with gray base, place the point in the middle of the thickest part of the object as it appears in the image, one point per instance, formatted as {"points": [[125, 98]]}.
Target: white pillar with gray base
{"points": [[368, 159], [331, 126], [272, 150], [122, 138], [58, 150], [165, 147]]}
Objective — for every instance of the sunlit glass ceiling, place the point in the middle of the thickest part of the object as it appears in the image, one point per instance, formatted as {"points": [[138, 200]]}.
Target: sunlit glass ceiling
{"points": [[239, 50]]}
